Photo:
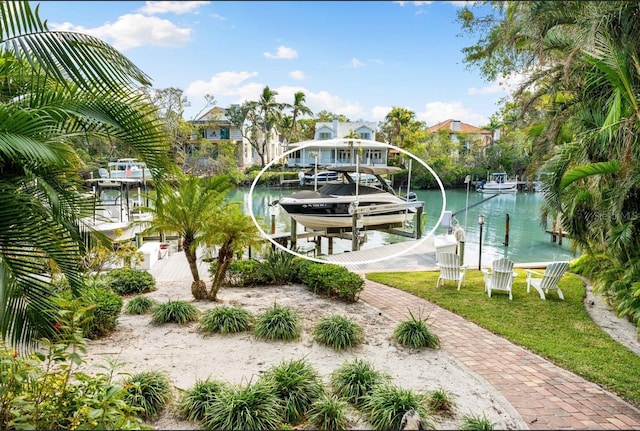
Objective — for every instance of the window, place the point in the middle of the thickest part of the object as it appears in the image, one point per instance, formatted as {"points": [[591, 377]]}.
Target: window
{"points": [[344, 156], [365, 135], [324, 135], [224, 133]]}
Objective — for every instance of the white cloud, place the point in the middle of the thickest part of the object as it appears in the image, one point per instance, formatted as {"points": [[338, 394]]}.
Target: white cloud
{"points": [[176, 7], [133, 30], [435, 112], [507, 85], [379, 112], [355, 63], [298, 75], [415, 3], [283, 52], [228, 84]]}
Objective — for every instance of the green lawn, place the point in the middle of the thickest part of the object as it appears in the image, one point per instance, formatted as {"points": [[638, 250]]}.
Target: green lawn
{"points": [[561, 331]]}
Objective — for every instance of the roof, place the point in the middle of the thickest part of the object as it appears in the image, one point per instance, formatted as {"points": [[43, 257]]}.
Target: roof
{"points": [[463, 128]]}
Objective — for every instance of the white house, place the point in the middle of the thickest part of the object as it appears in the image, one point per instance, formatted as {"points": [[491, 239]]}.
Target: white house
{"points": [[340, 152]]}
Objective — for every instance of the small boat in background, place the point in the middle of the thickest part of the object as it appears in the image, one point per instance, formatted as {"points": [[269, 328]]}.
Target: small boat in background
{"points": [[126, 168], [498, 182]]}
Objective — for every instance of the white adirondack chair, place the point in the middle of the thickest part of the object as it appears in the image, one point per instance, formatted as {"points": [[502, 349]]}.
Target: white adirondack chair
{"points": [[499, 277], [548, 280], [450, 269]]}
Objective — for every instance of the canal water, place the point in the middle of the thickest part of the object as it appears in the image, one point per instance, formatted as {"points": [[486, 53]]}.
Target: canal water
{"points": [[527, 240]]}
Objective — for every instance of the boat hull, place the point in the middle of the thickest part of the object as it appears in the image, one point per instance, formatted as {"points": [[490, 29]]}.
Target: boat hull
{"points": [[499, 188]]}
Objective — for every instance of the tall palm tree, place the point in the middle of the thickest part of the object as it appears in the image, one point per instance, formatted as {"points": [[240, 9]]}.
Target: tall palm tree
{"points": [[191, 209], [56, 86], [298, 108], [269, 112]]}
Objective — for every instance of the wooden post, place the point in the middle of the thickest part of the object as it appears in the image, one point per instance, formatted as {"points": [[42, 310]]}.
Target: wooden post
{"points": [[355, 242], [506, 232], [418, 223], [554, 229], [330, 246], [560, 235], [294, 233]]}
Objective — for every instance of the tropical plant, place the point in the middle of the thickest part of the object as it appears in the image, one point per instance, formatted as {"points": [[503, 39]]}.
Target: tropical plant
{"points": [[338, 332], [226, 319], [415, 333], [441, 402], [179, 312], [354, 380], [127, 281], [472, 422], [298, 108], [104, 312], [328, 412], [254, 406], [140, 305], [56, 86], [191, 209], [297, 384], [277, 267], [278, 323], [150, 391], [194, 402], [387, 404]]}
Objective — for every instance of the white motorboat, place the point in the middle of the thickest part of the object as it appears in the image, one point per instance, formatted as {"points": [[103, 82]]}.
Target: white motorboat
{"points": [[332, 206], [126, 168], [322, 176], [498, 182], [115, 212]]}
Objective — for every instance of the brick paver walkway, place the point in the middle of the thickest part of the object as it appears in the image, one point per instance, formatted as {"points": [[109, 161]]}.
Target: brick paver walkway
{"points": [[546, 396]]}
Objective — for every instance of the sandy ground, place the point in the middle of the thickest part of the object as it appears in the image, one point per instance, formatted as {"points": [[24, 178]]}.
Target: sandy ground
{"points": [[187, 354]]}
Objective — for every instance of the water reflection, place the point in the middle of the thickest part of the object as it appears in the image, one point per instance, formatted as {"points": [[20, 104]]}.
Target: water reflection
{"points": [[527, 239]]}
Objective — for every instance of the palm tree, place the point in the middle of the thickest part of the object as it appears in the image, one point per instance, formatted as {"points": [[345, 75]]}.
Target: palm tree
{"points": [[400, 119], [191, 208], [298, 108], [56, 86], [269, 112]]}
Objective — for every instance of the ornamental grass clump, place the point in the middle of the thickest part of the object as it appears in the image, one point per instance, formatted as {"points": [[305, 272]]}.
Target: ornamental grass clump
{"points": [[387, 404], [297, 384], [441, 402], [329, 413], [150, 391], [140, 305], [278, 323], [194, 403], [337, 332], [472, 422], [226, 319], [355, 379], [179, 312], [415, 333], [250, 407]]}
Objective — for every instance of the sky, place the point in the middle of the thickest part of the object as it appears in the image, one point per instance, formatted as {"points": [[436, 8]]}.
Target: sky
{"points": [[356, 58]]}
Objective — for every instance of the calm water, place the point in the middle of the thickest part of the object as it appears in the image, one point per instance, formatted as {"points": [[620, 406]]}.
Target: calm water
{"points": [[528, 241]]}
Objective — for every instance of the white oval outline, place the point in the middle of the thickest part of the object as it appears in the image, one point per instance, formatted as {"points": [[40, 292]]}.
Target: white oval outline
{"points": [[315, 143]]}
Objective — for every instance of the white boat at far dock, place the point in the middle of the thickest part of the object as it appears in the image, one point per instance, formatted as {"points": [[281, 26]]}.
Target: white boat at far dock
{"points": [[498, 182]]}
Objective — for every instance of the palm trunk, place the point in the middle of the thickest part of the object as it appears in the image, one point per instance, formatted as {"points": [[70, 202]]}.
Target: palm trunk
{"points": [[225, 256], [198, 287]]}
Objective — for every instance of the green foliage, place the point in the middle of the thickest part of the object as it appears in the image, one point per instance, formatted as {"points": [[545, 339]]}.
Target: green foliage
{"points": [[140, 305], [226, 319], [297, 385], [333, 280], [150, 391], [440, 401], [354, 380], [105, 310], [473, 422], [277, 267], [278, 323], [387, 403], [415, 333], [328, 412], [180, 312], [251, 407], [298, 267], [194, 402], [241, 273], [338, 332], [128, 281]]}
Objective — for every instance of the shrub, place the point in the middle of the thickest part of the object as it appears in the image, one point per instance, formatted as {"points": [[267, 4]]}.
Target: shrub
{"points": [[297, 385], [298, 267], [354, 380], [278, 323], [328, 413], [332, 280], [337, 332], [241, 273], [139, 305], [440, 401], [180, 312], [415, 333], [151, 391], [226, 319], [473, 422], [387, 404], [194, 403], [251, 407], [277, 267], [104, 313], [128, 281]]}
